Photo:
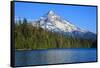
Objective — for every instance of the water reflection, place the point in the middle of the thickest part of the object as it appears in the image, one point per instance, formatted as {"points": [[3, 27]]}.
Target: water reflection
{"points": [[53, 56]]}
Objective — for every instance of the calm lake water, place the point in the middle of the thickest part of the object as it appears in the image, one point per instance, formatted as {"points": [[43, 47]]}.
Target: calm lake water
{"points": [[53, 56]]}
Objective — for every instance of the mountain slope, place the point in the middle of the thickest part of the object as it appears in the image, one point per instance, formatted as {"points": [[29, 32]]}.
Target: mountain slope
{"points": [[55, 23]]}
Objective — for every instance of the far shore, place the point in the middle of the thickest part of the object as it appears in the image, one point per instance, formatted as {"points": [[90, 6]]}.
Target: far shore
{"points": [[23, 49]]}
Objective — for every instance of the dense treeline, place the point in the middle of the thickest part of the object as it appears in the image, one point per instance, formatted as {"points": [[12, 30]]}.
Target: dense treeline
{"points": [[29, 37]]}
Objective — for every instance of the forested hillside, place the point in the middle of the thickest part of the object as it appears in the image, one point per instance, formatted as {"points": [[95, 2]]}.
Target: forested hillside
{"points": [[28, 37]]}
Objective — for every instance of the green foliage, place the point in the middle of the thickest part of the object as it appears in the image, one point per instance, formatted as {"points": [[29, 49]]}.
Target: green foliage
{"points": [[28, 37]]}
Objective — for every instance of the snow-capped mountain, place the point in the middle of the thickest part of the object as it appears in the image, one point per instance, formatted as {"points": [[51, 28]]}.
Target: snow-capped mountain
{"points": [[55, 23]]}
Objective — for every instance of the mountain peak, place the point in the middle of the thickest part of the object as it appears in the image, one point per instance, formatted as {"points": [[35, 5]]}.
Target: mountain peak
{"points": [[51, 12]]}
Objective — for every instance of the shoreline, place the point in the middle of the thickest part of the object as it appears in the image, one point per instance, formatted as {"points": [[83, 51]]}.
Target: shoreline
{"points": [[51, 49]]}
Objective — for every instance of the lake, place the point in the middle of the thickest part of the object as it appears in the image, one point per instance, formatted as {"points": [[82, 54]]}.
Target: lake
{"points": [[54, 56]]}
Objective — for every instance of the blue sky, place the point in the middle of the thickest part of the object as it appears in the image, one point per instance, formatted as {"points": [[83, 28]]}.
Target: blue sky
{"points": [[82, 16]]}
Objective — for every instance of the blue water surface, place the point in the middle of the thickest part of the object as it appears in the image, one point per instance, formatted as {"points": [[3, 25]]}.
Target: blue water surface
{"points": [[54, 56]]}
